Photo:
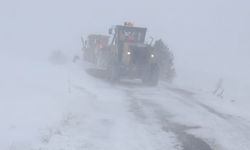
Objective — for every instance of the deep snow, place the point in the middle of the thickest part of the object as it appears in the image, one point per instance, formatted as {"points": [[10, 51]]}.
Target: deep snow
{"points": [[46, 105]]}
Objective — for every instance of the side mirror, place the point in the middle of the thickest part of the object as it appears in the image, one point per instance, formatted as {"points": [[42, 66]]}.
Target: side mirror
{"points": [[152, 40], [110, 30], [85, 42]]}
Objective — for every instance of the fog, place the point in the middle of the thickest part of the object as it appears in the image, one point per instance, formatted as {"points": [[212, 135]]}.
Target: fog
{"points": [[210, 41], [207, 37]]}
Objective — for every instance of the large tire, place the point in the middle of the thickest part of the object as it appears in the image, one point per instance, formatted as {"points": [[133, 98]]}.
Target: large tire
{"points": [[151, 76], [113, 73]]}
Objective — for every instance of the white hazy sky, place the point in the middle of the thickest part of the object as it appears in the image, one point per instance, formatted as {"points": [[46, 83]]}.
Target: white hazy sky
{"points": [[210, 37]]}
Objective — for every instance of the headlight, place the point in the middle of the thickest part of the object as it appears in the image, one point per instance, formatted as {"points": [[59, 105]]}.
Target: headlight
{"points": [[129, 53], [152, 55]]}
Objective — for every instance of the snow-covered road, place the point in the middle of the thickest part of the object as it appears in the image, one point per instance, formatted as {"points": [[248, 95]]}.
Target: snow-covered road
{"points": [[96, 115], [130, 116]]}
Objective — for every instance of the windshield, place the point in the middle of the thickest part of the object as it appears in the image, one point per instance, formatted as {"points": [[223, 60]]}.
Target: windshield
{"points": [[131, 35]]}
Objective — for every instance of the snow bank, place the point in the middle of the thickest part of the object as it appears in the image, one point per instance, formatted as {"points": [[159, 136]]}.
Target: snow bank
{"points": [[33, 95]]}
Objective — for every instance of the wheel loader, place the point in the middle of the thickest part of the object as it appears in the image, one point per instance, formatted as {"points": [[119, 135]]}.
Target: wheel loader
{"points": [[127, 56]]}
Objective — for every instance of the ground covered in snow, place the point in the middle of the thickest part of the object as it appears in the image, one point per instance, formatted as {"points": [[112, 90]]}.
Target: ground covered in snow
{"points": [[54, 104]]}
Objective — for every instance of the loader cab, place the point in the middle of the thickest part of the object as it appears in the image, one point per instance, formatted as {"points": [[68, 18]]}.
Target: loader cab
{"points": [[131, 57], [126, 36], [130, 34]]}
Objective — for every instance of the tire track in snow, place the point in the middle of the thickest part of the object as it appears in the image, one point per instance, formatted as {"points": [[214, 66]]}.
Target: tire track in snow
{"points": [[187, 141], [239, 127]]}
